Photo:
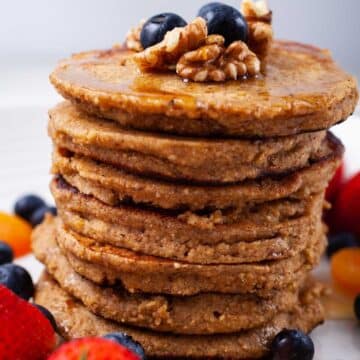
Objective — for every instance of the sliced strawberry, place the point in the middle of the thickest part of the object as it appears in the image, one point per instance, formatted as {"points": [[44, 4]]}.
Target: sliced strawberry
{"points": [[25, 333], [92, 349], [346, 213]]}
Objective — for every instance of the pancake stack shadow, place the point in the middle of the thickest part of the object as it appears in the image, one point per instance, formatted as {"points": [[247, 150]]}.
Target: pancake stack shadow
{"points": [[197, 246]]}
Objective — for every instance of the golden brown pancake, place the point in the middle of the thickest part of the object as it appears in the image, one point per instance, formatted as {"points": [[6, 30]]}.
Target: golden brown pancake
{"points": [[113, 185], [303, 90], [149, 274], [201, 160], [200, 314], [75, 321], [269, 231]]}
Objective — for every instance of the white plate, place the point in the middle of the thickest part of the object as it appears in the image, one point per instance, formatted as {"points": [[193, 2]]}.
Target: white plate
{"points": [[24, 167]]}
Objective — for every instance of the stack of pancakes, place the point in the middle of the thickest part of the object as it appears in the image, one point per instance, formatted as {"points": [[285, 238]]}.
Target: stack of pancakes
{"points": [[190, 215]]}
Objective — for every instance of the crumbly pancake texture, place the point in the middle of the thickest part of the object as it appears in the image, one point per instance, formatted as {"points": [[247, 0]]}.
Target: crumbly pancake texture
{"points": [[142, 273], [201, 314], [202, 160], [268, 231], [113, 185], [302, 90], [75, 320]]}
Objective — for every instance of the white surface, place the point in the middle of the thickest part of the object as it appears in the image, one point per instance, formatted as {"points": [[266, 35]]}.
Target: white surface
{"points": [[24, 167]]}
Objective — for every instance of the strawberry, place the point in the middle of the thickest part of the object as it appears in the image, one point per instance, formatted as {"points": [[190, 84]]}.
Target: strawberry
{"points": [[347, 207], [335, 184], [25, 333], [92, 349]]}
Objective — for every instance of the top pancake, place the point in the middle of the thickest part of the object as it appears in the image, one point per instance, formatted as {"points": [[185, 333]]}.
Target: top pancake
{"points": [[303, 90]]}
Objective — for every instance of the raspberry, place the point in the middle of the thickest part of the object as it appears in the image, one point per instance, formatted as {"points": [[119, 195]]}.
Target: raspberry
{"points": [[335, 184], [92, 349], [25, 333], [347, 207]]}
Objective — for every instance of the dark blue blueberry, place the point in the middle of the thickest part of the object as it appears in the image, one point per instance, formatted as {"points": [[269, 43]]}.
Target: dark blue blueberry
{"points": [[17, 279], [6, 253], [292, 345], [48, 315], [209, 7], [27, 205], [156, 27], [226, 21], [128, 342], [340, 241], [357, 307], [38, 216]]}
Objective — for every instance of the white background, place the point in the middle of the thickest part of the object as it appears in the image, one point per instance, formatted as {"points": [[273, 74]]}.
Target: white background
{"points": [[35, 34], [42, 29]]}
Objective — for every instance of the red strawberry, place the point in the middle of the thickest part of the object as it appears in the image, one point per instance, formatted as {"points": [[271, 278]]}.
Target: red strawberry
{"points": [[25, 333], [335, 184], [347, 207], [92, 349]]}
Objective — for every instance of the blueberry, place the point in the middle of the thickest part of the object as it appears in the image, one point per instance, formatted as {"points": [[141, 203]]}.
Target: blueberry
{"points": [[128, 342], [38, 216], [226, 21], [156, 27], [357, 307], [17, 279], [48, 315], [6, 253], [27, 205], [292, 345], [340, 241]]}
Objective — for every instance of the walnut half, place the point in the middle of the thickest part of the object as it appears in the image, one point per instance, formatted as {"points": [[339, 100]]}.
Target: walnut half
{"points": [[176, 43], [259, 18], [255, 9], [133, 38], [201, 64], [212, 62]]}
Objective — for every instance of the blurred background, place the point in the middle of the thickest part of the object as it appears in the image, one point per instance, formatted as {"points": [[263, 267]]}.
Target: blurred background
{"points": [[35, 34]]}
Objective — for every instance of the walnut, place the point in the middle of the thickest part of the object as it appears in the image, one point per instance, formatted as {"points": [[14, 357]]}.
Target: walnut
{"points": [[215, 63], [260, 38], [200, 65], [176, 43], [254, 9], [238, 60], [133, 38], [215, 39], [259, 18]]}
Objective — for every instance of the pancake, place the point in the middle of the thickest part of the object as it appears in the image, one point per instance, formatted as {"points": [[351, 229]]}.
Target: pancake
{"points": [[201, 160], [143, 273], [303, 90], [277, 247], [182, 158], [114, 185], [201, 314], [75, 321], [268, 231]]}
